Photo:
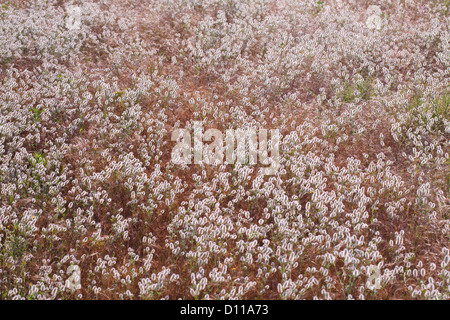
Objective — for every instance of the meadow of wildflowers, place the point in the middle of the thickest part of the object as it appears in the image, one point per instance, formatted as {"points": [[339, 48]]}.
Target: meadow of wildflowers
{"points": [[92, 207]]}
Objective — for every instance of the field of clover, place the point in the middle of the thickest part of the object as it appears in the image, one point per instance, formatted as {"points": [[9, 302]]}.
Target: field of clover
{"points": [[91, 206]]}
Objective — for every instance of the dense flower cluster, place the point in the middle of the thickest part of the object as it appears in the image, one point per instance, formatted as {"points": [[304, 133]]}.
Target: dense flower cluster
{"points": [[91, 207]]}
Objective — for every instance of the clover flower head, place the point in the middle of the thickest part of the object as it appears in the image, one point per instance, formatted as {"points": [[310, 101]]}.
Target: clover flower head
{"points": [[374, 278], [74, 281], [373, 22], [73, 20], [373, 10]]}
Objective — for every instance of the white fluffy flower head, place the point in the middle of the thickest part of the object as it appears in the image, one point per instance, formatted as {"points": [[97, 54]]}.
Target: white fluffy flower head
{"points": [[373, 22], [73, 20], [74, 281], [373, 10]]}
